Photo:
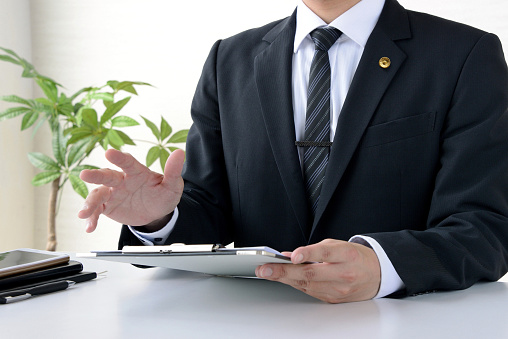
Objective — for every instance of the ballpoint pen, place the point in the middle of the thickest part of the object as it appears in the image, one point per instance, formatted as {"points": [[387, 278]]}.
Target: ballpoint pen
{"points": [[22, 294]]}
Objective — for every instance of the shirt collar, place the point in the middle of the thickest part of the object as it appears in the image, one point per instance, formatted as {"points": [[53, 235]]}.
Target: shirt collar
{"points": [[357, 23]]}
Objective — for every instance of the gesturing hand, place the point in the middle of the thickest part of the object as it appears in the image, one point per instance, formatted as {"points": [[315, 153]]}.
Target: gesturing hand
{"points": [[136, 196], [342, 272]]}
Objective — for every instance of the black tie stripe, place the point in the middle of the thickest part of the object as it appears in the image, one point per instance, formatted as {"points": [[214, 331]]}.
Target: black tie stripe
{"points": [[317, 123]]}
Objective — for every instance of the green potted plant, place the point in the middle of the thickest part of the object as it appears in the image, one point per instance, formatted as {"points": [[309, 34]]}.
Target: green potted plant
{"points": [[77, 129]]}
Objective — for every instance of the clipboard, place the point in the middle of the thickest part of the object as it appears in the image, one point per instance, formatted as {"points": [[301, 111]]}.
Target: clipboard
{"points": [[209, 259]]}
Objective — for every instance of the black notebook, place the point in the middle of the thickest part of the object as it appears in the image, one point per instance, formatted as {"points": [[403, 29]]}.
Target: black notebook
{"points": [[41, 276]]}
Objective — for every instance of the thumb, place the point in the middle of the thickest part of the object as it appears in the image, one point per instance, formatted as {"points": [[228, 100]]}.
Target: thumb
{"points": [[174, 165]]}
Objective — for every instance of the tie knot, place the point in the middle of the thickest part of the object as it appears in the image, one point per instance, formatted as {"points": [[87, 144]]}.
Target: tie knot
{"points": [[325, 37]]}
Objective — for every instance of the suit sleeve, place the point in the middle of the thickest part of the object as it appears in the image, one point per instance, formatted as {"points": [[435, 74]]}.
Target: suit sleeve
{"points": [[466, 239]]}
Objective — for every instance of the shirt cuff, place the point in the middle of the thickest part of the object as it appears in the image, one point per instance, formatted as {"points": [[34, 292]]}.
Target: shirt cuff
{"points": [[390, 279], [159, 237]]}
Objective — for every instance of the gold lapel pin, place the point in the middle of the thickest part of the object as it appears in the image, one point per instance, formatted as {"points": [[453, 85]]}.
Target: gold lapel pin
{"points": [[385, 62]]}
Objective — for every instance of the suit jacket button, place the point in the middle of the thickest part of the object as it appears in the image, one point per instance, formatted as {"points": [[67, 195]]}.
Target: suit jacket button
{"points": [[385, 62]]}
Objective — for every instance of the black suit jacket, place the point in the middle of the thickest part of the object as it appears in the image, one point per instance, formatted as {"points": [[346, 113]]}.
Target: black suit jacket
{"points": [[419, 161]]}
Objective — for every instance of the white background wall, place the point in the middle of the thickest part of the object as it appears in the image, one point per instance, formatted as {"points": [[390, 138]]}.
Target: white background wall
{"points": [[87, 42], [16, 192]]}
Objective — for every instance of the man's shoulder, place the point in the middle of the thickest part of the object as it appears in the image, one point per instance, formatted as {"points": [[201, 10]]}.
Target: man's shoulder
{"points": [[258, 33], [253, 37], [431, 25]]}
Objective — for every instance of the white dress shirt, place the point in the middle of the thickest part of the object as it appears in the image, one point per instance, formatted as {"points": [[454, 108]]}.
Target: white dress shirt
{"points": [[356, 26]]}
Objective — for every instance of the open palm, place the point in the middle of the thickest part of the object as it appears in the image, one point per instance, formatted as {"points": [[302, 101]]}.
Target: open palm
{"points": [[134, 196]]}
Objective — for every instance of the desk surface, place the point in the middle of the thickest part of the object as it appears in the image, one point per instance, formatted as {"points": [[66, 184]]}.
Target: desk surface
{"points": [[152, 303]]}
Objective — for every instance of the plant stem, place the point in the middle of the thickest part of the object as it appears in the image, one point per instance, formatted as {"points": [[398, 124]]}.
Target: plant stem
{"points": [[53, 195], [148, 142], [60, 189]]}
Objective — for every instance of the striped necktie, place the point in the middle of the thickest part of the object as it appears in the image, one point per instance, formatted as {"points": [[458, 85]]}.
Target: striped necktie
{"points": [[317, 124]]}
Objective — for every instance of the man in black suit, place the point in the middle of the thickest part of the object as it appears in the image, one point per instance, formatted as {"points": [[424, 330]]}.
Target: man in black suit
{"points": [[416, 177]]}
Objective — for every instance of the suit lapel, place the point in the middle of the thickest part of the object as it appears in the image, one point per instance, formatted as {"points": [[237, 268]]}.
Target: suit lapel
{"points": [[273, 70], [369, 84]]}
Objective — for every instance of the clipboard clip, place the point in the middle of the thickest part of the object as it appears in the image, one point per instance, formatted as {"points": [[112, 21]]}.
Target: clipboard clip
{"points": [[173, 248]]}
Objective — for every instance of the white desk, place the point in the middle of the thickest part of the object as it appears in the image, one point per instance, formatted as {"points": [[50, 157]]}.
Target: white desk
{"points": [[162, 303]]}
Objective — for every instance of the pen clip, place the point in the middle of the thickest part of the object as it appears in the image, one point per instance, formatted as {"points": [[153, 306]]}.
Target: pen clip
{"points": [[17, 298]]}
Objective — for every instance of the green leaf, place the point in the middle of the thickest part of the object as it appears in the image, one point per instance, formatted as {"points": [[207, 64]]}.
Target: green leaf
{"points": [[63, 98], [152, 155], [78, 185], [92, 143], [45, 101], [75, 95], [78, 130], [140, 83], [28, 68], [43, 162], [9, 59], [79, 134], [89, 116], [101, 96], [45, 78], [153, 127], [107, 103], [77, 107], [127, 86], [113, 109], [13, 112], [39, 124], [78, 115], [49, 88], [15, 99], [126, 139], [29, 119], [104, 142], [163, 158], [178, 137], [77, 170], [45, 178], [28, 73], [113, 84], [59, 143], [66, 109], [165, 129], [77, 151], [114, 139], [11, 52], [53, 123], [123, 121]]}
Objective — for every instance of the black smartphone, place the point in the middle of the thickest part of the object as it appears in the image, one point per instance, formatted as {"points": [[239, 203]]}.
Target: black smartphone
{"points": [[26, 259]]}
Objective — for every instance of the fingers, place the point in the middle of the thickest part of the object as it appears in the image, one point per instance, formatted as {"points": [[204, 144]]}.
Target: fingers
{"points": [[104, 176], [298, 273], [331, 251], [96, 198], [94, 207], [125, 161], [134, 193], [323, 291], [174, 165], [342, 254], [332, 283], [93, 220], [111, 178], [342, 271]]}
